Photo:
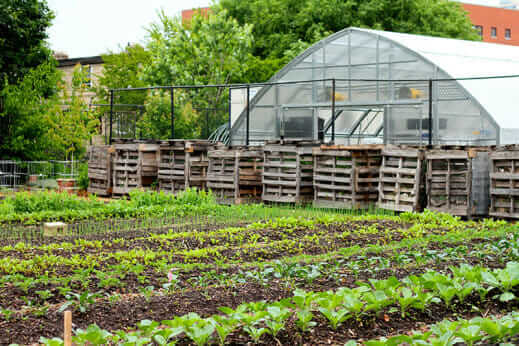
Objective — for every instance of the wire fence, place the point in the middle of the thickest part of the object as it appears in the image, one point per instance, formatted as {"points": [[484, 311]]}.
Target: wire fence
{"points": [[37, 174], [442, 111]]}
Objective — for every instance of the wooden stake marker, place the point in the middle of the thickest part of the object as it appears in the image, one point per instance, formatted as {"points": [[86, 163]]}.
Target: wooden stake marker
{"points": [[67, 333]]}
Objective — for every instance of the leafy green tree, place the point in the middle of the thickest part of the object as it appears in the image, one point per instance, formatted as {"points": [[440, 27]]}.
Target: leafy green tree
{"points": [[23, 28], [207, 50], [124, 70], [283, 28], [48, 123]]}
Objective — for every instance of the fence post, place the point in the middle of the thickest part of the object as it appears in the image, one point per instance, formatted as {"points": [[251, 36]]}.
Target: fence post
{"points": [[430, 112], [248, 116], [230, 124], [67, 328], [111, 113], [172, 96], [333, 110]]}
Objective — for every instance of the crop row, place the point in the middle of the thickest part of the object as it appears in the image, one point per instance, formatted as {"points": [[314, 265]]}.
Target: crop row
{"points": [[337, 307], [131, 275]]}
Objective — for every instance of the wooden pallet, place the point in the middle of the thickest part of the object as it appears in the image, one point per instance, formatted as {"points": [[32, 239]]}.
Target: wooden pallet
{"points": [[346, 176], [135, 167], [288, 172], [234, 174], [400, 179], [451, 181], [504, 183], [183, 164], [100, 161]]}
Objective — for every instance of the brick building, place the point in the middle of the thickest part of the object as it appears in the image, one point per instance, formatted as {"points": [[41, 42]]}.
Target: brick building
{"points": [[93, 66], [495, 24]]}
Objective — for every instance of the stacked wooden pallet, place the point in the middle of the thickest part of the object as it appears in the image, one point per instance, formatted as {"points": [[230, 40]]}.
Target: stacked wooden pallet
{"points": [[346, 176], [504, 182], [183, 164], [100, 169], [234, 174], [400, 179], [288, 171], [457, 181], [135, 166]]}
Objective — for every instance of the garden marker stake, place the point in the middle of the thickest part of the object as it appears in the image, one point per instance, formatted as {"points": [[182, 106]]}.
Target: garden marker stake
{"points": [[67, 330]]}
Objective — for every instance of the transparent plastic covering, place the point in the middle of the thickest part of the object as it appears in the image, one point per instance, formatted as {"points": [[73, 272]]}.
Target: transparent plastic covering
{"points": [[382, 92]]}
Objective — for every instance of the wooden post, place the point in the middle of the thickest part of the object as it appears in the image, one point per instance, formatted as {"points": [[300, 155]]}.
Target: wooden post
{"points": [[67, 330]]}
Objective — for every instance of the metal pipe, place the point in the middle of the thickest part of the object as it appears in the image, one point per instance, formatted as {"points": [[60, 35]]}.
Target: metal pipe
{"points": [[230, 119], [430, 111], [172, 95], [248, 117], [111, 113], [333, 110]]}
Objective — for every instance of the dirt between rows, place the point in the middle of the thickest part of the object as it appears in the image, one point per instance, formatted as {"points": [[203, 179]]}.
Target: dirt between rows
{"points": [[11, 296], [27, 328], [145, 242]]}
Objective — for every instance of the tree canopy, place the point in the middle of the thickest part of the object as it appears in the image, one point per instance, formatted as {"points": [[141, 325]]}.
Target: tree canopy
{"points": [[283, 28], [23, 28]]}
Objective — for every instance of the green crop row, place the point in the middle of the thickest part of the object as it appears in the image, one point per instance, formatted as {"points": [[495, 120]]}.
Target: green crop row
{"points": [[259, 318]]}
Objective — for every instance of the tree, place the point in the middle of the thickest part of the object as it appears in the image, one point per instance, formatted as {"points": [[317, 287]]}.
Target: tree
{"points": [[23, 28], [207, 50], [283, 28], [45, 122], [124, 70]]}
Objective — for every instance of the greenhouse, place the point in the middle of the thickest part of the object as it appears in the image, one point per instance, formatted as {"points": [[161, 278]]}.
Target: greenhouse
{"points": [[378, 86]]}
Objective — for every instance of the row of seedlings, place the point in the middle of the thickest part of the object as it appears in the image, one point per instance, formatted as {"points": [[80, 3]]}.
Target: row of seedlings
{"points": [[100, 162], [458, 181], [234, 174], [346, 176], [183, 164], [504, 182], [135, 166], [288, 171]]}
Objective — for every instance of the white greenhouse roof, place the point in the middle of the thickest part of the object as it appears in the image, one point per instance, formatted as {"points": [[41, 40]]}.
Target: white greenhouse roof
{"points": [[467, 59]]}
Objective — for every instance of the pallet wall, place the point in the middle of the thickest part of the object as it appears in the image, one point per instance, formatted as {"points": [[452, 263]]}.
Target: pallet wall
{"points": [[504, 183], [346, 176], [135, 166], [401, 179], [234, 174], [288, 172], [457, 181], [183, 164], [100, 161]]}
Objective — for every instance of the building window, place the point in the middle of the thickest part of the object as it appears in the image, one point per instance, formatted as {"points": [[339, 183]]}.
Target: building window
{"points": [[479, 29], [88, 75], [508, 34], [493, 32]]}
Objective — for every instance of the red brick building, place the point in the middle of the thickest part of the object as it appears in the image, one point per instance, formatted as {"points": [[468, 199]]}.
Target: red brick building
{"points": [[188, 14], [496, 25]]}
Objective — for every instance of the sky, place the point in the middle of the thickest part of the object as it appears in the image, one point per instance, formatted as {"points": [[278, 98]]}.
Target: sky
{"points": [[94, 27]]}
